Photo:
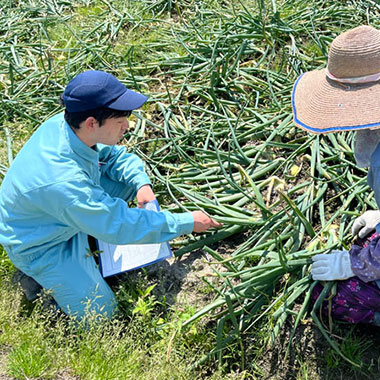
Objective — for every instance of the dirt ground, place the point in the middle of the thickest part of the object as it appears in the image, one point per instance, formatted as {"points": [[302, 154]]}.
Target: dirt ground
{"points": [[3, 375], [181, 280]]}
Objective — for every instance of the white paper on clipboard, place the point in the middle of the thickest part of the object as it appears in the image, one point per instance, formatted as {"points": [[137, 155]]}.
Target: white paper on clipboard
{"points": [[116, 259]]}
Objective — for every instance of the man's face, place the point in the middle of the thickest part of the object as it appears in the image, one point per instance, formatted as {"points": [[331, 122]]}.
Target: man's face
{"points": [[112, 130]]}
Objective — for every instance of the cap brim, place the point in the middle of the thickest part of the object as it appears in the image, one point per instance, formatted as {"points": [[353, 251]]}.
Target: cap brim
{"points": [[321, 105], [129, 101]]}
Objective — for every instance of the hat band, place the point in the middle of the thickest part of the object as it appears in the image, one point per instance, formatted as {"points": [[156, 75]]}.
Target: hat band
{"points": [[363, 79]]}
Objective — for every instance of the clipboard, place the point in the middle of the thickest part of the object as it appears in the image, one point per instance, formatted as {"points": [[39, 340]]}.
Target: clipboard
{"points": [[115, 259]]}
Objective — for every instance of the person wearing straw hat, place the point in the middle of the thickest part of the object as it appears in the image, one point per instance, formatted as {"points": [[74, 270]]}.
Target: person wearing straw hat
{"points": [[70, 181], [345, 96]]}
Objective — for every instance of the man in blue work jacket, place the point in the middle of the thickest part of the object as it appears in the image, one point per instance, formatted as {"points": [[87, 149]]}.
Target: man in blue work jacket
{"points": [[70, 181]]}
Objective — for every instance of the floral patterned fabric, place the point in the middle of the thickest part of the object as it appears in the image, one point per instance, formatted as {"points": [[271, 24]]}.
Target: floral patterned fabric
{"points": [[365, 259], [355, 301]]}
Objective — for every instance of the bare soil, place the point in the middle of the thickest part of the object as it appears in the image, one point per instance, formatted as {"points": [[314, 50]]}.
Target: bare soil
{"points": [[182, 281], [3, 374]]}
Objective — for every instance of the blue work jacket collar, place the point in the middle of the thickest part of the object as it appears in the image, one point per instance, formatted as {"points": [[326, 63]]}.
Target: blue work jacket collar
{"points": [[80, 148]]}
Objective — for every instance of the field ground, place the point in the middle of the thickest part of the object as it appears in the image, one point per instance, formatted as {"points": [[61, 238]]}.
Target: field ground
{"points": [[216, 134]]}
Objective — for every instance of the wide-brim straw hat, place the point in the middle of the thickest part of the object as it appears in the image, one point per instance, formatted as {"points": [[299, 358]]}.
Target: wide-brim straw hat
{"points": [[344, 96]]}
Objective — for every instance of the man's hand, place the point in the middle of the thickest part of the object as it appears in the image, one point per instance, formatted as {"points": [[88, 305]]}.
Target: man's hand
{"points": [[144, 194], [202, 222], [333, 266], [366, 223]]}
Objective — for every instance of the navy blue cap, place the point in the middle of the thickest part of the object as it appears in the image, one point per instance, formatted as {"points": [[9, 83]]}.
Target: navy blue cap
{"points": [[94, 89]]}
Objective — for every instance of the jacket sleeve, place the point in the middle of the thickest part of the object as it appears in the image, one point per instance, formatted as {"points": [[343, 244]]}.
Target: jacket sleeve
{"points": [[87, 208], [123, 167], [365, 262]]}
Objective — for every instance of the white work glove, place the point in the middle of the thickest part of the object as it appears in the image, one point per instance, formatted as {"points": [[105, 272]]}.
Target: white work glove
{"points": [[332, 266], [366, 223]]}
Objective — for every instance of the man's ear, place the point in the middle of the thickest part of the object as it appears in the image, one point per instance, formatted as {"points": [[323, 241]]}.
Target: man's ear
{"points": [[91, 123]]}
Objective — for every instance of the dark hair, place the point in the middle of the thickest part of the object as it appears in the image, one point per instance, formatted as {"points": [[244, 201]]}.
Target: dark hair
{"points": [[100, 114]]}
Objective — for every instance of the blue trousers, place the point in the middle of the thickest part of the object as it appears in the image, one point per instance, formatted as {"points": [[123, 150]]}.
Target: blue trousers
{"points": [[73, 278]]}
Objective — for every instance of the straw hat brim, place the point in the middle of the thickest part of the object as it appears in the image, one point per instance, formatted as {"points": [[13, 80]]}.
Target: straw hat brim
{"points": [[321, 105]]}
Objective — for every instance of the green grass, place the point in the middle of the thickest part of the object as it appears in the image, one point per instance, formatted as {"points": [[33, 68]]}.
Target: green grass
{"points": [[25, 361], [145, 345]]}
